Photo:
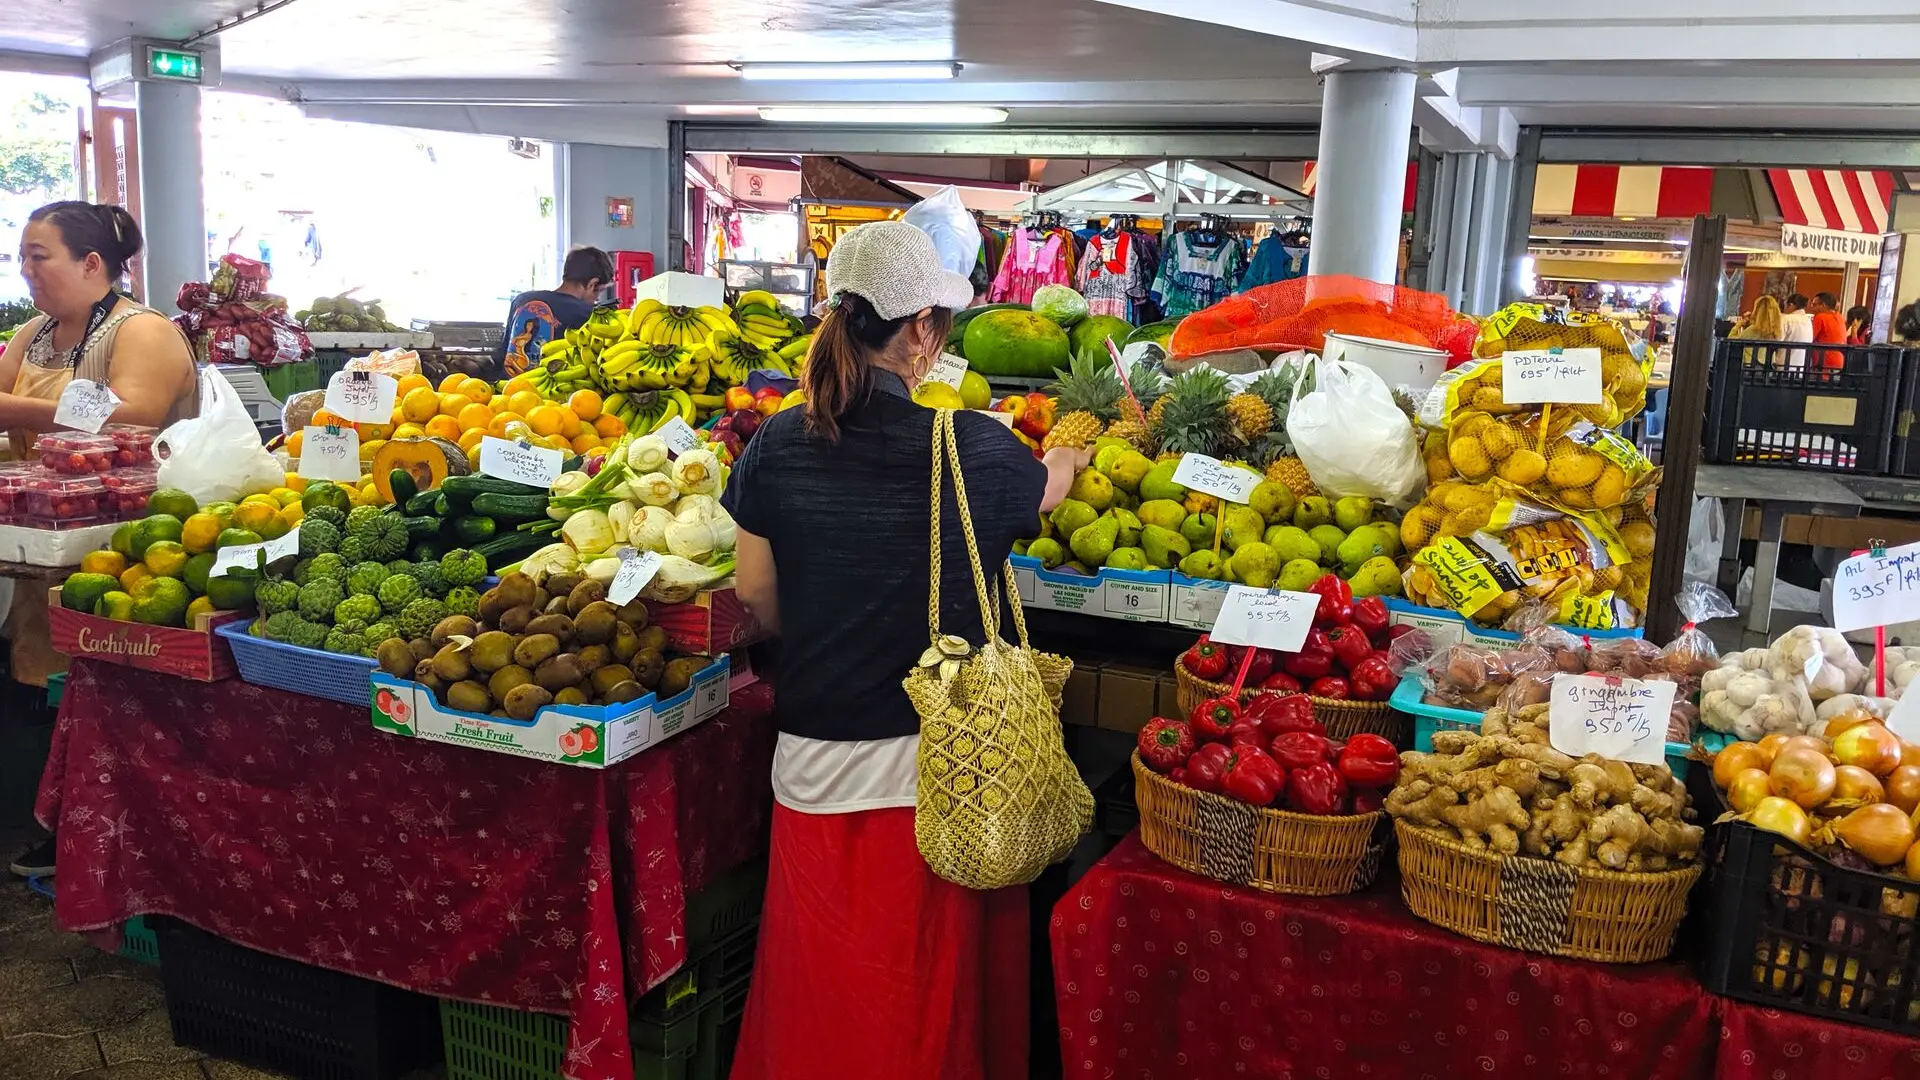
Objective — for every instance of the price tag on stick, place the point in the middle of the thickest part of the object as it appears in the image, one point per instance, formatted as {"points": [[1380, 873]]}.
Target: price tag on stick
{"points": [[1623, 719], [1210, 476], [1265, 618], [636, 569], [509, 460], [1560, 376], [1875, 590], [364, 397], [678, 436], [329, 453], [85, 405], [247, 556]]}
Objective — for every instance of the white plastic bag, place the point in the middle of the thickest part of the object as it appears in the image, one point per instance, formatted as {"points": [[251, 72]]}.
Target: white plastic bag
{"points": [[956, 236], [1706, 532], [216, 456], [1353, 439]]}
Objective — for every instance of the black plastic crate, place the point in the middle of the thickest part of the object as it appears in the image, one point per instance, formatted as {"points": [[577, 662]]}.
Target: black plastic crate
{"points": [[1760, 411], [711, 973], [1787, 928], [1114, 811], [305, 1021], [1906, 422]]}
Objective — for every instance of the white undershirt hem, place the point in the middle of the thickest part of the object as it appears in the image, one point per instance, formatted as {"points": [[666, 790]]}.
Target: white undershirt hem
{"points": [[817, 776]]}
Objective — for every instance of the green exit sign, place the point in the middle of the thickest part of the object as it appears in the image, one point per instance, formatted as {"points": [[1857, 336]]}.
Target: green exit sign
{"points": [[173, 64]]}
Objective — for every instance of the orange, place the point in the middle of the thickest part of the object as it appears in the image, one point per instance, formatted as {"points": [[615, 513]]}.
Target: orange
{"points": [[498, 403], [419, 405], [547, 420], [585, 404], [569, 423], [475, 417], [293, 443], [522, 381], [368, 449], [473, 458], [374, 432], [585, 441], [444, 427], [134, 575], [497, 427], [451, 384], [323, 418], [524, 402], [471, 437], [609, 426], [451, 404], [407, 384], [557, 442]]}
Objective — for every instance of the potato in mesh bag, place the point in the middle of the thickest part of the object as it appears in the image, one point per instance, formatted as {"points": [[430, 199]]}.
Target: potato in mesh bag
{"points": [[1486, 556]]}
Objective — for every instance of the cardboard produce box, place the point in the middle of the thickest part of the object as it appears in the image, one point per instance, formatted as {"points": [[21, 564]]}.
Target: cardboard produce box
{"points": [[1129, 697], [197, 653], [713, 622]]}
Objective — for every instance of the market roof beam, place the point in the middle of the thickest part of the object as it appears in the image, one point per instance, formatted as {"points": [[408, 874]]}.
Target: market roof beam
{"points": [[1776, 149], [1301, 143], [1376, 29]]}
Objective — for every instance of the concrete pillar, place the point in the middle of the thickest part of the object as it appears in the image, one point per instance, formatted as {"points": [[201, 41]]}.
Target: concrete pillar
{"points": [[172, 197], [1366, 122]]}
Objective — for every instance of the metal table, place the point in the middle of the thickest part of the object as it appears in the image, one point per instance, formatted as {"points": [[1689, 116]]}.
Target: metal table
{"points": [[1778, 492]]}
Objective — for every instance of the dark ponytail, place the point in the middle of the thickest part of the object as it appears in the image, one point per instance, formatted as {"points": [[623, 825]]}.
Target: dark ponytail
{"points": [[839, 362], [95, 228]]}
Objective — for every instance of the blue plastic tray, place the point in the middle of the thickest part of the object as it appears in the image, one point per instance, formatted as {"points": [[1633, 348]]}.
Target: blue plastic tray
{"points": [[315, 672]]}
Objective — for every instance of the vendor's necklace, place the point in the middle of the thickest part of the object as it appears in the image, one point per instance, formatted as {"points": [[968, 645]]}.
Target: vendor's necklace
{"points": [[95, 319]]}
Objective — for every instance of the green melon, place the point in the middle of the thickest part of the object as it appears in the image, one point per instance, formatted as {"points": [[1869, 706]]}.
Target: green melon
{"points": [[1016, 344], [1090, 335], [1156, 332]]}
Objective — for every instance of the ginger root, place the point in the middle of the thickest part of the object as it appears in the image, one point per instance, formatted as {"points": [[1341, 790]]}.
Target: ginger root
{"points": [[1494, 821], [1420, 801], [1619, 832]]}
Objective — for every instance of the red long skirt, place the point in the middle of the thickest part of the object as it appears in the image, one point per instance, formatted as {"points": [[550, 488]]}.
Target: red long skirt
{"points": [[871, 968]]}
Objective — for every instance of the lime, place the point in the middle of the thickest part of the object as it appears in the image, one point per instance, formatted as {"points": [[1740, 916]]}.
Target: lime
{"points": [[152, 529], [172, 501], [237, 537], [196, 571], [122, 541], [230, 593], [114, 605], [80, 592]]}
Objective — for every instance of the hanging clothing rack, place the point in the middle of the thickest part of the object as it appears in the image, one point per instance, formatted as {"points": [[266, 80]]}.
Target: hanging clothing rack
{"points": [[1175, 189]]}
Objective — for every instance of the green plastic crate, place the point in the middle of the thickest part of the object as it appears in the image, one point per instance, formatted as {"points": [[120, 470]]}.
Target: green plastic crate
{"points": [[713, 972], [56, 689], [285, 380], [487, 1042], [138, 942], [728, 905]]}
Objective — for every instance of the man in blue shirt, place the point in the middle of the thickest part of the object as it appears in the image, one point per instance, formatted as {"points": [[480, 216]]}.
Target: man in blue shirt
{"points": [[535, 318]]}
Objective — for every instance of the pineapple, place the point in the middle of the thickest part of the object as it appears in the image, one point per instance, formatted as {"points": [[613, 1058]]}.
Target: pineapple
{"points": [[1089, 395], [1274, 449], [1131, 430], [1251, 416], [1149, 389], [1195, 419], [1157, 414]]}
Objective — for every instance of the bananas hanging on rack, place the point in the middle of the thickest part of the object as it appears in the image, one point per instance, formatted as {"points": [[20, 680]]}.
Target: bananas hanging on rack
{"points": [[763, 322]]}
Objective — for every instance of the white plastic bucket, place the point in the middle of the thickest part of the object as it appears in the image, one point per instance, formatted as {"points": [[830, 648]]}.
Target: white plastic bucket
{"points": [[1397, 363]]}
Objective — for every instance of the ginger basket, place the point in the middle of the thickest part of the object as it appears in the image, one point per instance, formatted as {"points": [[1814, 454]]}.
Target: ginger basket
{"points": [[1540, 905], [1275, 850], [1342, 719]]}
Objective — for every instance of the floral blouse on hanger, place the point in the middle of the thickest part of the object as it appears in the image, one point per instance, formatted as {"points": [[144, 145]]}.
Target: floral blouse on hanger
{"points": [[1115, 274], [1195, 275], [1029, 264]]}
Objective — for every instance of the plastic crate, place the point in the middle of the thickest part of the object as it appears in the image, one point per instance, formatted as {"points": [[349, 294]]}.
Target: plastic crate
{"points": [[706, 974], [56, 689], [316, 672], [1814, 417], [1114, 811], [728, 905], [139, 942], [1905, 460], [271, 1013], [1791, 930], [285, 380]]}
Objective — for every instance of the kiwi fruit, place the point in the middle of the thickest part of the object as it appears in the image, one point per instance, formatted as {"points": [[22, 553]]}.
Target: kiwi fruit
{"points": [[541, 598], [514, 620], [431, 681], [525, 700], [646, 665], [491, 651], [626, 642], [558, 671], [469, 696], [606, 677], [492, 606], [561, 583], [422, 648], [653, 638], [679, 674], [395, 658], [500, 714], [535, 648], [619, 692], [451, 664], [570, 695], [555, 606], [516, 590], [450, 627], [505, 679], [559, 626], [634, 613], [593, 658], [594, 624], [587, 592]]}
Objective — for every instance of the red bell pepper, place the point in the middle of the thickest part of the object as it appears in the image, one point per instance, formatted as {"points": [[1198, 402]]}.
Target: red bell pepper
{"points": [[1350, 645], [1314, 660], [1366, 800], [1316, 789], [1336, 601], [1369, 761], [1370, 616], [1246, 732], [1178, 775], [1253, 777], [1281, 681], [1331, 688], [1298, 749], [1207, 768], [1281, 713], [1212, 717], [1165, 744], [1205, 660], [1373, 680]]}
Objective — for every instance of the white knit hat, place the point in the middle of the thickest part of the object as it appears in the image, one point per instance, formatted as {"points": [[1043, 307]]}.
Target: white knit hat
{"points": [[894, 266]]}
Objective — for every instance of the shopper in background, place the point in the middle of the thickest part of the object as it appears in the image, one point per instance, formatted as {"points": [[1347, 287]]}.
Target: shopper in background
{"points": [[869, 965], [1762, 325], [1858, 327], [535, 318], [1828, 329], [1796, 325], [1906, 324]]}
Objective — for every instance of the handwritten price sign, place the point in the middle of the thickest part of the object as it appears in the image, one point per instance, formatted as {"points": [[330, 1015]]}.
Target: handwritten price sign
{"points": [[1556, 376], [1623, 719], [949, 369], [329, 453], [1875, 590], [1265, 619], [678, 436], [85, 405], [509, 460], [364, 397], [1198, 472], [636, 569], [247, 556]]}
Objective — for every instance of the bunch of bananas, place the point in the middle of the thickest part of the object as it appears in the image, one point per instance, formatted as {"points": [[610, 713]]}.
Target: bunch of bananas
{"points": [[654, 323], [643, 411], [763, 322]]}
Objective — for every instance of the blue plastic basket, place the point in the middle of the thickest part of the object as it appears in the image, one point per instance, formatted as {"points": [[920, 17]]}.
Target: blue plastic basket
{"points": [[316, 672]]}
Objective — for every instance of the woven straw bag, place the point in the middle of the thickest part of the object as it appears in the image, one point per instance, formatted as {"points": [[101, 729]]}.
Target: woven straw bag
{"points": [[998, 799]]}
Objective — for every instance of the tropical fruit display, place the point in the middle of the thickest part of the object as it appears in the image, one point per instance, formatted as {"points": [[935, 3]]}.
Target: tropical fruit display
{"points": [[344, 314]]}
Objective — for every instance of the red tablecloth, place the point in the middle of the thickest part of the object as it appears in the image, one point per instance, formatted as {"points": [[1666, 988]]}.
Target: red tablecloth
{"points": [[287, 824], [1162, 975]]}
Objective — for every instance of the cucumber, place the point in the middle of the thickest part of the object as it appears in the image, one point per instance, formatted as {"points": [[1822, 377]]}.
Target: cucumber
{"points": [[510, 547], [461, 490], [425, 502], [422, 527], [471, 529], [512, 507], [404, 486]]}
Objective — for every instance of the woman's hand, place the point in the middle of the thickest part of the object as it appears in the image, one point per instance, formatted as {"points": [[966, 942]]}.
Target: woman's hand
{"points": [[1062, 462]]}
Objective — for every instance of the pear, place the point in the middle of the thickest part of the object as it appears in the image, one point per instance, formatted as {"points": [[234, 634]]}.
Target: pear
{"points": [[1104, 459], [1256, 564], [1198, 529], [1072, 515], [1092, 488], [1127, 558], [1162, 512], [1129, 469], [1158, 482], [1048, 551], [1377, 577], [1129, 528], [1273, 502], [1389, 532], [1244, 526], [1329, 537], [1299, 575], [1091, 544], [1123, 501], [1164, 547], [1360, 545], [1291, 542], [1204, 565], [1312, 510], [1352, 512]]}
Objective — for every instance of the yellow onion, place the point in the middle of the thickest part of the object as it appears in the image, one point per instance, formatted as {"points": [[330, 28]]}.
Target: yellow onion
{"points": [[1770, 746], [1913, 862], [1869, 746], [1735, 758], [1802, 775], [1853, 782], [1748, 788], [1880, 833], [1903, 787], [1782, 816]]}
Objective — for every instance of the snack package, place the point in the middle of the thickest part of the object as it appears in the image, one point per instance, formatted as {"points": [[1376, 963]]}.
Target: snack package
{"points": [[297, 411], [398, 363]]}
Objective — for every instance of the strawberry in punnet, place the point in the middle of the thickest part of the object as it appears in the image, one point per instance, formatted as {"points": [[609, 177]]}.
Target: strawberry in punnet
{"points": [[1165, 744]]}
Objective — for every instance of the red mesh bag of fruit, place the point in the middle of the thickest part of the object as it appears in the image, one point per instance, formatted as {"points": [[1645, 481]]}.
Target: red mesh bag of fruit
{"points": [[1298, 314]]}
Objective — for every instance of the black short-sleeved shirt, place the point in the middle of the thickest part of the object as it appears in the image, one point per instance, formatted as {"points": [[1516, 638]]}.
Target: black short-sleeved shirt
{"points": [[848, 523]]}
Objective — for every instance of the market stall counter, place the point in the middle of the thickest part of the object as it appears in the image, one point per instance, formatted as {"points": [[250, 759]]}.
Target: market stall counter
{"points": [[289, 825], [1163, 974]]}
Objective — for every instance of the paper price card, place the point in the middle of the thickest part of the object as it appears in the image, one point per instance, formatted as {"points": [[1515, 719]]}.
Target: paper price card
{"points": [[1556, 376], [247, 556], [1005, 418], [678, 436], [509, 460], [1623, 719], [949, 369], [1213, 477], [364, 397], [1265, 618], [636, 569], [329, 453], [1904, 721], [1875, 590], [85, 405]]}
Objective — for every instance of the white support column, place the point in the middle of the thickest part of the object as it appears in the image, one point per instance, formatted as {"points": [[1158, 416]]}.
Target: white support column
{"points": [[1366, 124], [172, 197]]}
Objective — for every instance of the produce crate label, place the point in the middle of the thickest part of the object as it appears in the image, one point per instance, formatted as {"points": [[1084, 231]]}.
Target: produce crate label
{"points": [[1028, 583], [363, 397], [329, 453], [1876, 590], [1196, 603], [708, 695], [636, 569], [1443, 628], [1551, 376], [246, 556], [1623, 719], [679, 438], [1265, 618], [1129, 600], [1130, 595], [85, 405], [505, 459], [949, 369], [195, 653], [1211, 476]]}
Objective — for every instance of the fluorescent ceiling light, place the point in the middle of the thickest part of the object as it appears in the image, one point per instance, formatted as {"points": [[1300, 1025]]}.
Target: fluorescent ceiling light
{"points": [[884, 71], [883, 114]]}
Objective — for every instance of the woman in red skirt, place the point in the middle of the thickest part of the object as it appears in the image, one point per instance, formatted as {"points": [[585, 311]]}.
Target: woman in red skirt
{"points": [[869, 966]]}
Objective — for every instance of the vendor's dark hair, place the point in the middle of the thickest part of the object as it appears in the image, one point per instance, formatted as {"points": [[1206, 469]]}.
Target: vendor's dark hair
{"points": [[585, 264], [1906, 323], [95, 228], [840, 361]]}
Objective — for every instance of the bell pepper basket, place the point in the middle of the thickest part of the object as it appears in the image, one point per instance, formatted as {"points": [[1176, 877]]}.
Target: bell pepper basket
{"points": [[1342, 718]]}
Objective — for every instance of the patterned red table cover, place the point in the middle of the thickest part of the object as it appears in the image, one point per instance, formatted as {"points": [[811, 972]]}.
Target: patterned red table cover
{"points": [[287, 824], [1162, 975]]}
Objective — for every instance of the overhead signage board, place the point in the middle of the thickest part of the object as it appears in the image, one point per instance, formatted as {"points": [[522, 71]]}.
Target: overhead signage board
{"points": [[1832, 245]]}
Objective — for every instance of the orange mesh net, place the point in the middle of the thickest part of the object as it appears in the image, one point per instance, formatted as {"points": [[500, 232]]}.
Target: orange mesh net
{"points": [[1298, 314]]}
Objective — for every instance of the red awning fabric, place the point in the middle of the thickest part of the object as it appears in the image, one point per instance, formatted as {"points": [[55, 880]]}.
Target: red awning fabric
{"points": [[1851, 200], [1622, 191], [1309, 179]]}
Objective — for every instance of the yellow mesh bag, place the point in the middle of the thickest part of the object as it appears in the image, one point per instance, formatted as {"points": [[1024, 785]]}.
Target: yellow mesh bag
{"points": [[998, 798], [1532, 326]]}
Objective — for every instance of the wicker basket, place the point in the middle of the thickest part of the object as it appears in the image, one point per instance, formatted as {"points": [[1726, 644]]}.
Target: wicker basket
{"points": [[1541, 905], [1342, 719], [1275, 850]]}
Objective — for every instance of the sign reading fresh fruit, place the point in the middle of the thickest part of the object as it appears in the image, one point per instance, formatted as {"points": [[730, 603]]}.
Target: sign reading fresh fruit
{"points": [[364, 397]]}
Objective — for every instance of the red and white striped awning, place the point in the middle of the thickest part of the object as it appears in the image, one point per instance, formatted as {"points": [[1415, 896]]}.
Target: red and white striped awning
{"points": [[1851, 200], [1614, 191]]}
